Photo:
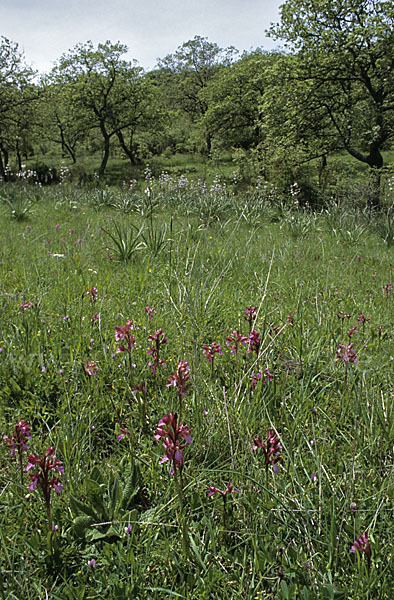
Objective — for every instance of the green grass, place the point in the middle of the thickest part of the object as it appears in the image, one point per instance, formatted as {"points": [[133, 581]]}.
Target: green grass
{"points": [[281, 535]]}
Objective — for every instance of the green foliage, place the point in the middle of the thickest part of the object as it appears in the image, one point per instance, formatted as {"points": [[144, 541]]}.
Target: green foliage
{"points": [[19, 203], [234, 98], [17, 95], [155, 238], [107, 91], [127, 241], [107, 506], [336, 86]]}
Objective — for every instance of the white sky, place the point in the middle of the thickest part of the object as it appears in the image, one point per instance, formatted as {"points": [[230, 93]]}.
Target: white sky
{"points": [[45, 29]]}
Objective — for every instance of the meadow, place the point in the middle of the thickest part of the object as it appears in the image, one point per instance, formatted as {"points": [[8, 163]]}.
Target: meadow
{"points": [[196, 395]]}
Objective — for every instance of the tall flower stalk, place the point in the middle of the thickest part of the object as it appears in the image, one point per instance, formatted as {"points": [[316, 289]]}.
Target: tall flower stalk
{"points": [[157, 340], [348, 355], [174, 437], [43, 477], [127, 341], [210, 351], [181, 381], [362, 546], [250, 316], [230, 489], [18, 442], [271, 450]]}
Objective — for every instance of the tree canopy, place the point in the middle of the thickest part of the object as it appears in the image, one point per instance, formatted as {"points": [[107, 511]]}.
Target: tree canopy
{"points": [[339, 74], [16, 94], [109, 89]]}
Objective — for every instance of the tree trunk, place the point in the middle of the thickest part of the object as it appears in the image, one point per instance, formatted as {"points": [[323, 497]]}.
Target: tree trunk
{"points": [[322, 171], [208, 140], [2, 170], [375, 161], [374, 195], [65, 145], [70, 151], [104, 161], [127, 150], [6, 157], [18, 156]]}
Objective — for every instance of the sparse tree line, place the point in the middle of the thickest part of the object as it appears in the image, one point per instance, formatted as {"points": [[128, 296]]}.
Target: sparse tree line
{"points": [[330, 89]]}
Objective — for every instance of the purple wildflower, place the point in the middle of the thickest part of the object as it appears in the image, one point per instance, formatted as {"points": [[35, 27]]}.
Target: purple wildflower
{"points": [[234, 339], [210, 351], [42, 477], [362, 319], [346, 353], [158, 338], [342, 316], [265, 376], [352, 331], [139, 388], [123, 333], [254, 342], [150, 312], [26, 305], [250, 315], [123, 433], [95, 318], [91, 368], [180, 379], [362, 546], [174, 436], [93, 293], [271, 449], [19, 439], [230, 489]]}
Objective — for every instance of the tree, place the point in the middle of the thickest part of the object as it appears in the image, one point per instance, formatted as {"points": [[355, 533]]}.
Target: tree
{"points": [[189, 70], [106, 88], [16, 93], [234, 100], [60, 119], [340, 75]]}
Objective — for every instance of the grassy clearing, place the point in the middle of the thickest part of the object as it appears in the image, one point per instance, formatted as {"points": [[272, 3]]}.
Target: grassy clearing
{"points": [[74, 266]]}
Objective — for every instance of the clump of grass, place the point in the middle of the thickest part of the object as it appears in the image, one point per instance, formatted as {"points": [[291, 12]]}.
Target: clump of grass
{"points": [[126, 240]]}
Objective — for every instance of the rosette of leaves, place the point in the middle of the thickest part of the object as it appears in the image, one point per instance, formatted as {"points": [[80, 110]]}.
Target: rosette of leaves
{"points": [[126, 241], [19, 203], [109, 502]]}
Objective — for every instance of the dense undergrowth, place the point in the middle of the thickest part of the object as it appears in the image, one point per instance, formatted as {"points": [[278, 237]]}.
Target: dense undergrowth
{"points": [[262, 325]]}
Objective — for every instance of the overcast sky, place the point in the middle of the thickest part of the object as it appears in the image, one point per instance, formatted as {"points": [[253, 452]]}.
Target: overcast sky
{"points": [[45, 29]]}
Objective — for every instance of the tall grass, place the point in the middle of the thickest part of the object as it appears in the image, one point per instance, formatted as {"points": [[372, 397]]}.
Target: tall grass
{"points": [[122, 529]]}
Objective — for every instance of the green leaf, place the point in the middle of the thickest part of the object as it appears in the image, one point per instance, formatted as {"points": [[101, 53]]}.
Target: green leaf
{"points": [[284, 589], [96, 475], [165, 591], [132, 487], [115, 494], [95, 493], [81, 524], [78, 507], [197, 553]]}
